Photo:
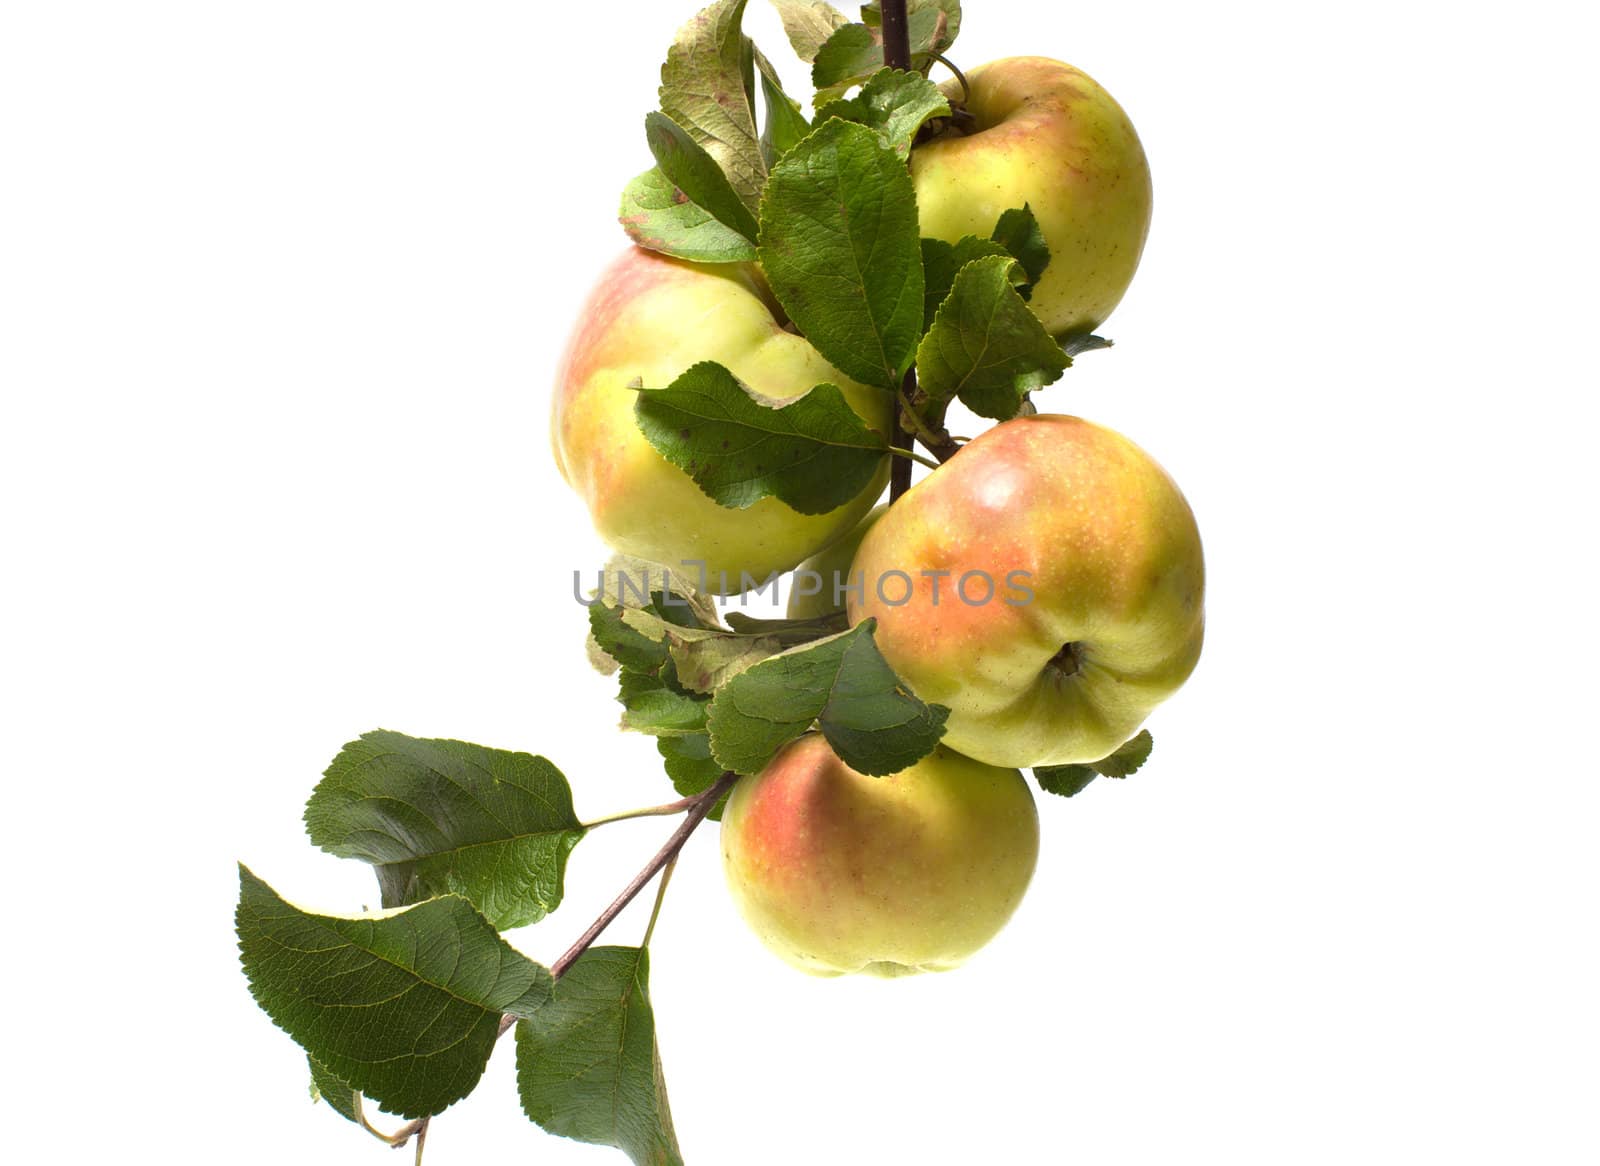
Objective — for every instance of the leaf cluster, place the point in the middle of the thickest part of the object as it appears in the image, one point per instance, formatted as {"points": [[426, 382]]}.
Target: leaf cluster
{"points": [[1069, 780], [826, 210], [726, 697], [403, 1006]]}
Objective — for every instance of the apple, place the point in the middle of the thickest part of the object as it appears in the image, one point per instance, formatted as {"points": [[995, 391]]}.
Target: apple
{"points": [[838, 872], [1046, 583], [648, 319], [821, 581], [1046, 135]]}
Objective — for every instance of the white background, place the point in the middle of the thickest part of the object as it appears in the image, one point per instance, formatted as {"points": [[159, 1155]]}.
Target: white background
{"points": [[282, 287]]}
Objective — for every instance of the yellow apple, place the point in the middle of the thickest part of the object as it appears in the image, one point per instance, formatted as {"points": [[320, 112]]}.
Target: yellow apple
{"points": [[648, 319], [821, 581], [838, 872], [1047, 135], [1046, 584]]}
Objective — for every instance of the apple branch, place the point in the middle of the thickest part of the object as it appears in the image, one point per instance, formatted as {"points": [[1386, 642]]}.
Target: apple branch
{"points": [[896, 35], [900, 467], [897, 55], [927, 424], [699, 807]]}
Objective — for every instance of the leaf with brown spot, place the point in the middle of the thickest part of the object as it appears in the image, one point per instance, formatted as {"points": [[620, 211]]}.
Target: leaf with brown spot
{"points": [[705, 87], [659, 217]]}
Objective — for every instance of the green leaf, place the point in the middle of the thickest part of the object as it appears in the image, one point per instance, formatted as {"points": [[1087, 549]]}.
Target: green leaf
{"points": [[588, 1066], [842, 684], [657, 704], [659, 217], [1068, 780], [839, 247], [1020, 234], [1073, 345], [627, 631], [932, 25], [1064, 780], [622, 643], [942, 261], [854, 52], [850, 56], [872, 13], [439, 817], [813, 453], [985, 346], [1127, 758], [693, 171], [705, 658], [691, 767], [894, 105], [784, 124], [342, 1099], [706, 664], [665, 613], [653, 698], [809, 24], [704, 88], [404, 1006]]}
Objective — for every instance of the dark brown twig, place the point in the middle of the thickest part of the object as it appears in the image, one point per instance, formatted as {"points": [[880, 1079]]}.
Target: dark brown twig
{"points": [[896, 35]]}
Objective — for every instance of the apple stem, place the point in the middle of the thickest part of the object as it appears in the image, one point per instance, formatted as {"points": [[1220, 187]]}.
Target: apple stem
{"points": [[699, 807], [913, 455], [966, 90]]}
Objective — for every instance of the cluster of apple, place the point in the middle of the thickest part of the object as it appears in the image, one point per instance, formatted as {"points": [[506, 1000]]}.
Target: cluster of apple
{"points": [[806, 300], [1041, 590]]}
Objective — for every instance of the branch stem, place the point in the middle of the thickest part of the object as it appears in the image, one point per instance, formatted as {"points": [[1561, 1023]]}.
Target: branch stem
{"points": [[897, 55], [700, 806], [900, 467], [896, 35]]}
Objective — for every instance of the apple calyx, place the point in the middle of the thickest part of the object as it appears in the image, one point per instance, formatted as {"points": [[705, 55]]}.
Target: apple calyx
{"points": [[1066, 663]]}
